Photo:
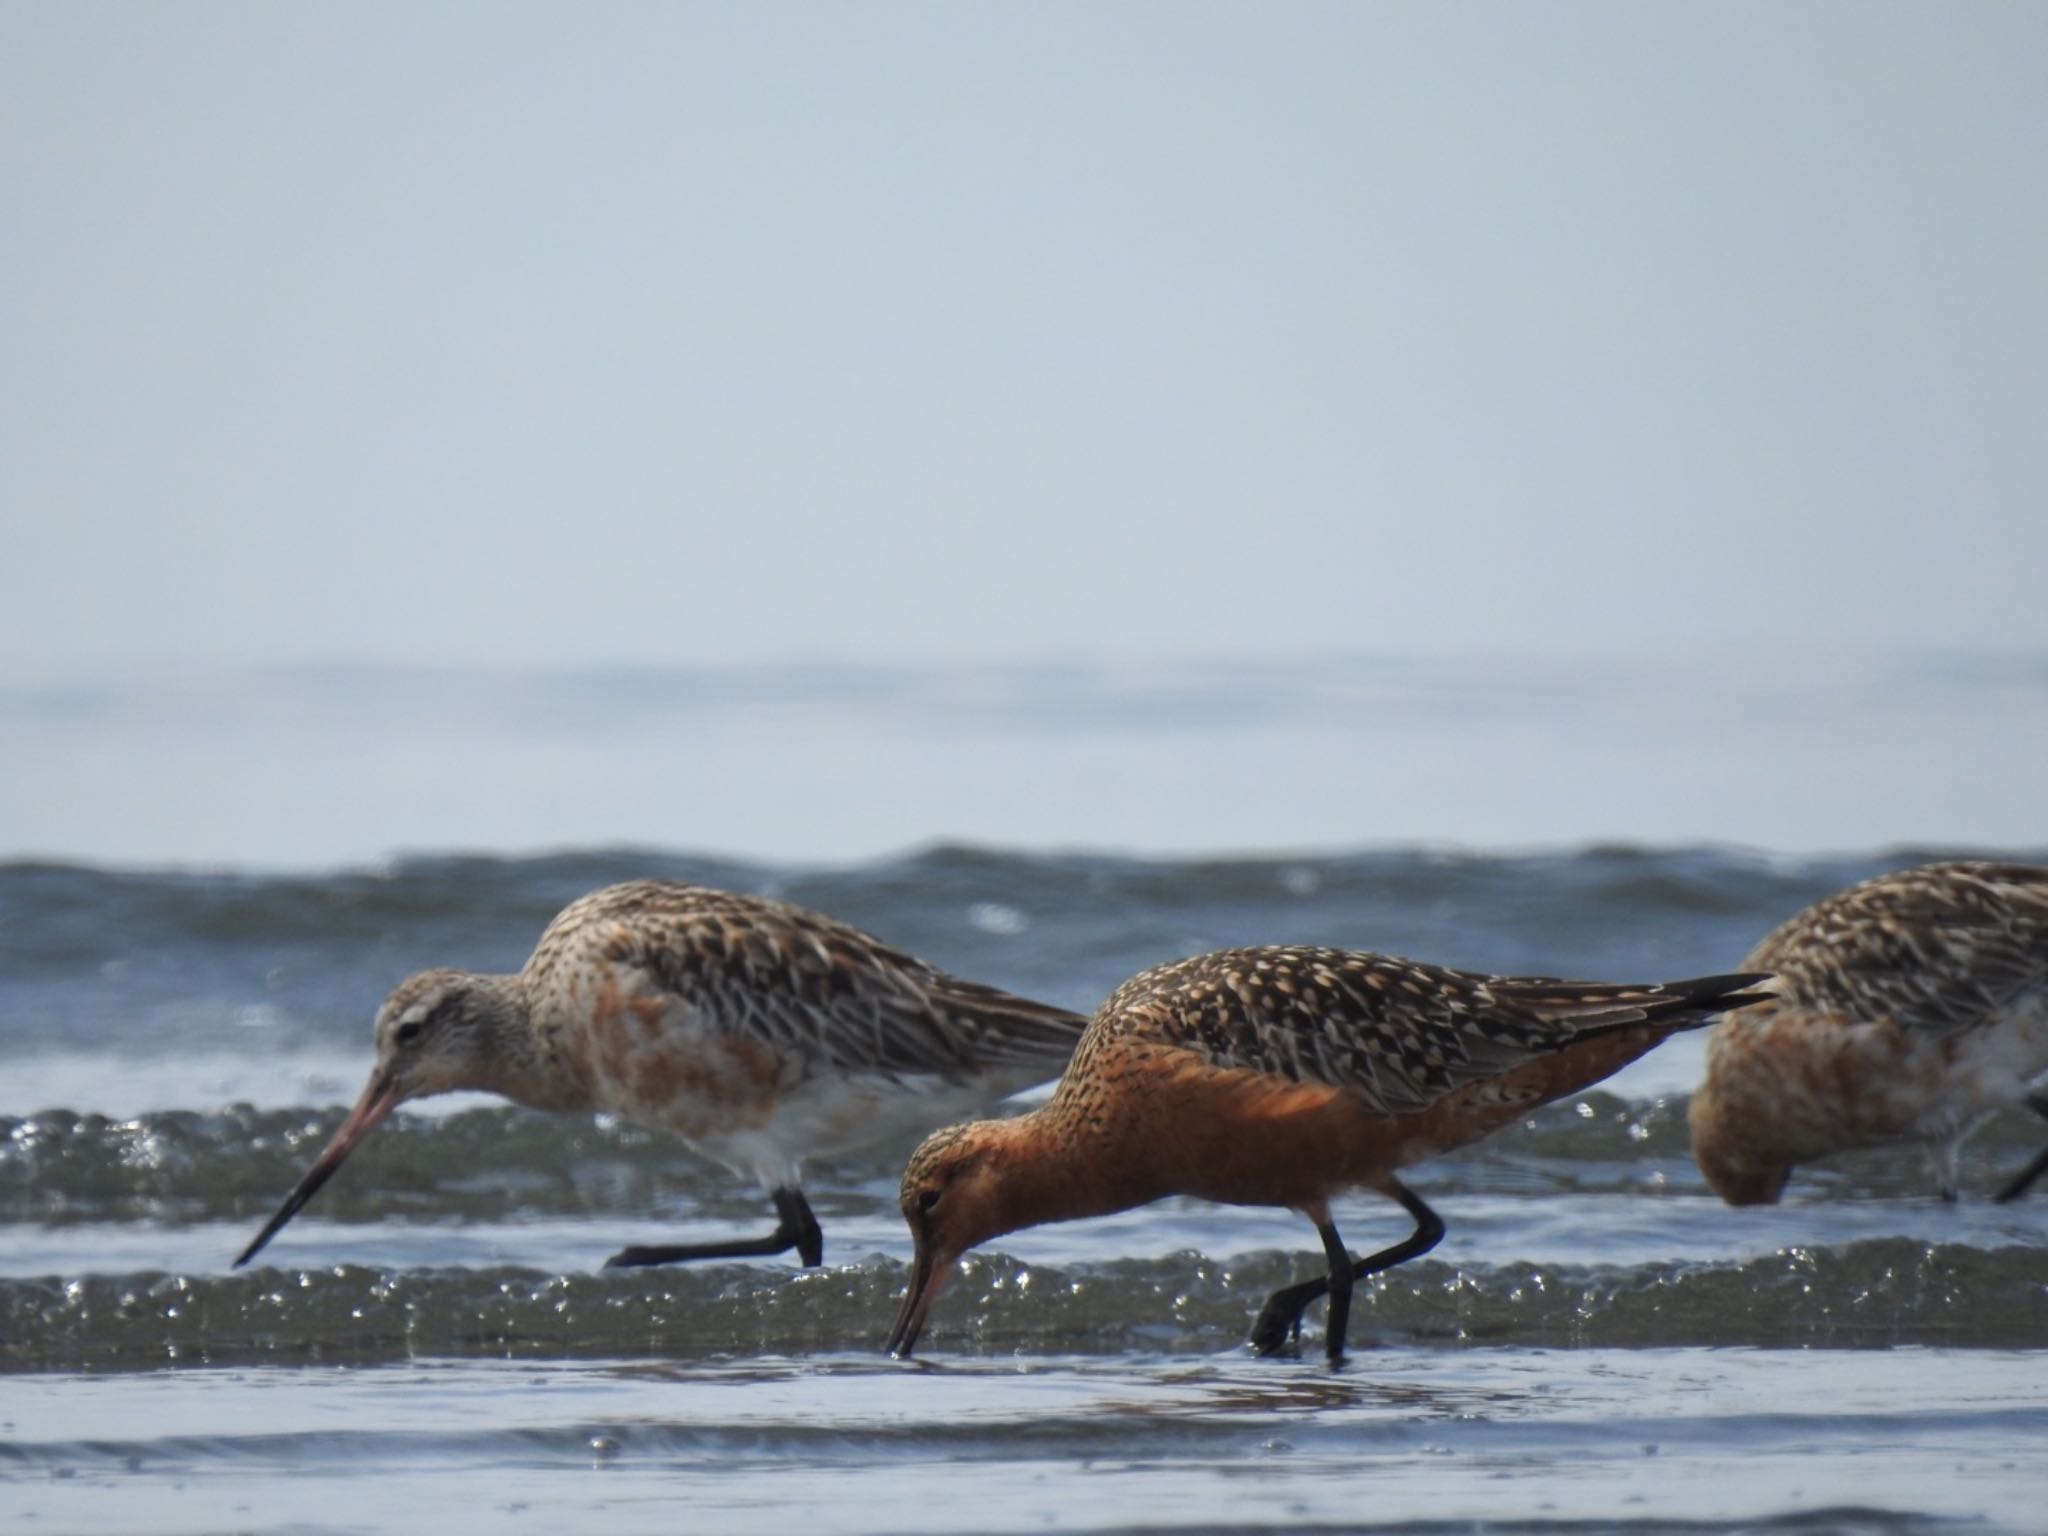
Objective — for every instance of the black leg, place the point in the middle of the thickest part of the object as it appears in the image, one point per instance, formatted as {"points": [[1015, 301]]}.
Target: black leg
{"points": [[1280, 1319], [1337, 1317], [791, 1206], [798, 1229], [2023, 1181]]}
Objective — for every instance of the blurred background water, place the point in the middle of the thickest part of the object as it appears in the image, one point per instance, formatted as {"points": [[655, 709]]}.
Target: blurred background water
{"points": [[1801, 749]]}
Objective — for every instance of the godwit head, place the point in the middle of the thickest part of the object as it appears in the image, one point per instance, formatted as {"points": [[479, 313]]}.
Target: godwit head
{"points": [[438, 1031], [1737, 1178], [959, 1190]]}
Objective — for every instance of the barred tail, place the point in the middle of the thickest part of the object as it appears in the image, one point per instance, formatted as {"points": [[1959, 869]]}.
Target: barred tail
{"points": [[1009, 1030], [1583, 1009]]}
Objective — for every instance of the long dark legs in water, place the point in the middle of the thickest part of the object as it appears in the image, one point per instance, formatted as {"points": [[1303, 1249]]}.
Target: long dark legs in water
{"points": [[2023, 1181], [798, 1229], [1336, 1316], [1280, 1319]]}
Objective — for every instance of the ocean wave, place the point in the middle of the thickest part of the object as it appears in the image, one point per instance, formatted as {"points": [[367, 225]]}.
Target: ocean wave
{"points": [[1880, 1293], [500, 1163]]}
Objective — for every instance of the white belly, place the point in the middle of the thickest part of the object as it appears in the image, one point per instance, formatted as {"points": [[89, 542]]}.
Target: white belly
{"points": [[822, 1117]]}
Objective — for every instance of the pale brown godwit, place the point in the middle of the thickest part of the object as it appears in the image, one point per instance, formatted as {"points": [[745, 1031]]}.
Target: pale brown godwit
{"points": [[1909, 1008], [759, 1033], [1280, 1077]]}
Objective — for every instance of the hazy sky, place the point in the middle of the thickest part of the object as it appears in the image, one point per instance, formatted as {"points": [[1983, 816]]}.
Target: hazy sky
{"points": [[693, 334]]}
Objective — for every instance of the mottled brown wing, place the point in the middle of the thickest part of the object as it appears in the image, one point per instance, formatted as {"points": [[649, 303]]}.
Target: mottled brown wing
{"points": [[1400, 1033], [821, 991], [1938, 948]]}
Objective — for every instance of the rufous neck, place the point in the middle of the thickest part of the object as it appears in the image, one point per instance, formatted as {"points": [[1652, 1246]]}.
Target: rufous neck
{"points": [[1058, 1167]]}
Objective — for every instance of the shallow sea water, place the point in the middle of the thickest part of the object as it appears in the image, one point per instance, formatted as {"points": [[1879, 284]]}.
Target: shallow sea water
{"points": [[1495, 1439], [1598, 1345]]}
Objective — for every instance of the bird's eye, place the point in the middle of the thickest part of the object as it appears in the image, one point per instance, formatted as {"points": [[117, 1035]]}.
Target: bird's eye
{"points": [[409, 1031], [927, 1201]]}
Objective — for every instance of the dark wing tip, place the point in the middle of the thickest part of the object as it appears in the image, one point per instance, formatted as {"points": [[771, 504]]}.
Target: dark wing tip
{"points": [[1719, 994], [1008, 1027]]}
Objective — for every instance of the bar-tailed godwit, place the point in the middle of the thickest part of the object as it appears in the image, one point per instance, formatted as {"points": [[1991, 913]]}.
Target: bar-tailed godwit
{"points": [[1280, 1077], [759, 1033], [1909, 1008]]}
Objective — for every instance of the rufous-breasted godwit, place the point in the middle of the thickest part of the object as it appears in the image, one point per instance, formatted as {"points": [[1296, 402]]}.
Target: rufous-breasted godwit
{"points": [[1909, 1008], [1282, 1077], [759, 1033]]}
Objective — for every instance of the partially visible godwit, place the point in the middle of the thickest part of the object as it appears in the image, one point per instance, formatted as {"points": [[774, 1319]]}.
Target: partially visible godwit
{"points": [[1280, 1077], [1910, 1007], [759, 1033]]}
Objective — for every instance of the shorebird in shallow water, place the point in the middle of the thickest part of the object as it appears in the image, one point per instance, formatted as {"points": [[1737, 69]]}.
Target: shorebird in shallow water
{"points": [[1910, 1007], [1283, 1077], [759, 1033]]}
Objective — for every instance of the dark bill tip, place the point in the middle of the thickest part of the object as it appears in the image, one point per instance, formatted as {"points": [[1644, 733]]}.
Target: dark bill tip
{"points": [[926, 1276], [379, 1098]]}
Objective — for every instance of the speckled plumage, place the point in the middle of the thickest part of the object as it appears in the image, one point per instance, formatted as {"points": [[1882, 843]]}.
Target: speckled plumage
{"points": [[821, 995], [1910, 1007], [1400, 1034], [1281, 1076], [758, 1032]]}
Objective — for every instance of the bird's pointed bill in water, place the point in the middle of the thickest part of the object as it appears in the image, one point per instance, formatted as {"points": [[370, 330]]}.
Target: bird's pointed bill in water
{"points": [[380, 1097], [926, 1278]]}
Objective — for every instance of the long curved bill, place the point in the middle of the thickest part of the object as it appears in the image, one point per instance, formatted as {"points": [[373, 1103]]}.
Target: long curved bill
{"points": [[379, 1098], [926, 1278]]}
